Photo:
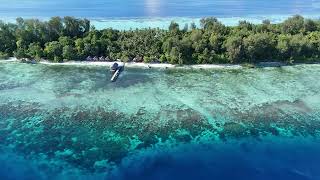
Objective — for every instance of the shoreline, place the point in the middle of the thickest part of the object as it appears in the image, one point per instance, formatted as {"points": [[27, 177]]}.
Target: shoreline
{"points": [[143, 65], [137, 65]]}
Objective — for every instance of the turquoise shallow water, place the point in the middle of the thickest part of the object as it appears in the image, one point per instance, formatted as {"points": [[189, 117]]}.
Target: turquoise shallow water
{"points": [[62, 122]]}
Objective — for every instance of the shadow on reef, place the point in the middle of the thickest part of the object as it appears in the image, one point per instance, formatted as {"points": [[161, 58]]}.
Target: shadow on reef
{"points": [[92, 139]]}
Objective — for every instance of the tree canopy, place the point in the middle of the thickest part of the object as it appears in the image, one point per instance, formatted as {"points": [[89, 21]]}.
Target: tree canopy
{"points": [[60, 39]]}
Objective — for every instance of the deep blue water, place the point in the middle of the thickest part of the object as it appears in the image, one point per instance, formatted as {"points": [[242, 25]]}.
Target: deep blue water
{"points": [[156, 8], [247, 161], [287, 159]]}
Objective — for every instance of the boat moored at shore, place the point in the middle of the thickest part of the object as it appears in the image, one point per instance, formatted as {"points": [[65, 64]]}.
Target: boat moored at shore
{"points": [[116, 68]]}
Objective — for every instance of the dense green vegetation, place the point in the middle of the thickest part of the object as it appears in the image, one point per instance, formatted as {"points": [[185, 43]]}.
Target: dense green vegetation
{"points": [[68, 38]]}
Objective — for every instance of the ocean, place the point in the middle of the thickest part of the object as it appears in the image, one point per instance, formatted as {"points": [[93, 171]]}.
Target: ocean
{"points": [[131, 14], [71, 122]]}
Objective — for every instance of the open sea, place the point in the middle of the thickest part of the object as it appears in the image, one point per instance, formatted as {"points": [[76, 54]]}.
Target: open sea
{"points": [[127, 14], [70, 122]]}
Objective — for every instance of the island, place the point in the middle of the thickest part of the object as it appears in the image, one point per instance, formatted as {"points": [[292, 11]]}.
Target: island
{"points": [[296, 40]]}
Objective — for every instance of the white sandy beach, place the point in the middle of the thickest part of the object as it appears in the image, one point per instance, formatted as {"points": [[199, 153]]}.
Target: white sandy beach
{"points": [[146, 65], [138, 65]]}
